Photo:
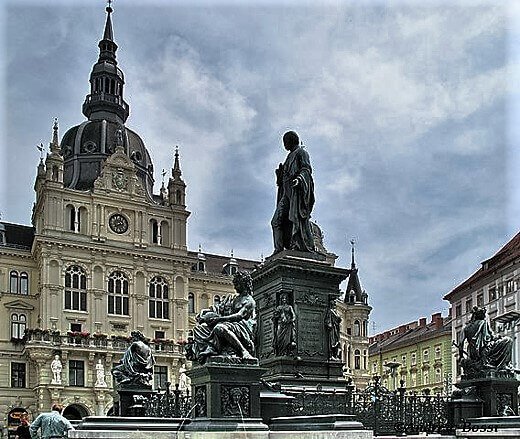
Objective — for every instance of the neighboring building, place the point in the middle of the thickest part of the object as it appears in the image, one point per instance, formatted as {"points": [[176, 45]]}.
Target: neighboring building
{"points": [[495, 286], [355, 312], [105, 256], [419, 353]]}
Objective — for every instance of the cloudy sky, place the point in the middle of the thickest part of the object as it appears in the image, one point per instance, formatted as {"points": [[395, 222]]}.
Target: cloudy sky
{"points": [[408, 112]]}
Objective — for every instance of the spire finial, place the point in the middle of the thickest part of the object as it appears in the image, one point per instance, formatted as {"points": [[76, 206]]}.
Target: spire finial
{"points": [[108, 34], [55, 144], [352, 244], [200, 248], [176, 171]]}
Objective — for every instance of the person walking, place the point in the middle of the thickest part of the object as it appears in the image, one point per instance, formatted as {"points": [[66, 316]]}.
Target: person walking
{"points": [[51, 425]]}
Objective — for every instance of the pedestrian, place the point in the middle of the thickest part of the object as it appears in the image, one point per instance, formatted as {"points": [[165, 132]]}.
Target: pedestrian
{"points": [[51, 425], [22, 432]]}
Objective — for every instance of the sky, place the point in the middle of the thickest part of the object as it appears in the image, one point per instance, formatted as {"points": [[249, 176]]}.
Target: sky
{"points": [[409, 111]]}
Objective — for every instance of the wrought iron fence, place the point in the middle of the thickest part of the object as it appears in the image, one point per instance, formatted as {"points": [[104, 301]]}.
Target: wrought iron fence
{"points": [[172, 403], [379, 409]]}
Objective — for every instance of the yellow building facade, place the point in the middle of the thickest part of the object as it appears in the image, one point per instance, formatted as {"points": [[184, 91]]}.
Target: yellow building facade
{"points": [[417, 355]]}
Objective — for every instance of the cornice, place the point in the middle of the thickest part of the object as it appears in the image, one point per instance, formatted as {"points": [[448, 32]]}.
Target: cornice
{"points": [[41, 241]]}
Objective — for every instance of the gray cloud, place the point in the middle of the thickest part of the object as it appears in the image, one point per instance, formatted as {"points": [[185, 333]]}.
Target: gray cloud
{"points": [[406, 112]]}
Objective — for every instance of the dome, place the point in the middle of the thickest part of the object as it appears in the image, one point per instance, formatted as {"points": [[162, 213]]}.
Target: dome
{"points": [[85, 147]]}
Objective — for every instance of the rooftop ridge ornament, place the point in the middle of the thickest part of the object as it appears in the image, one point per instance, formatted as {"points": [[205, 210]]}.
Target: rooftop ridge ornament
{"points": [[353, 245], [55, 143], [41, 148]]}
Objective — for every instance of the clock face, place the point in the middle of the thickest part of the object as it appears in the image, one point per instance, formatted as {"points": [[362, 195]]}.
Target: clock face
{"points": [[118, 223]]}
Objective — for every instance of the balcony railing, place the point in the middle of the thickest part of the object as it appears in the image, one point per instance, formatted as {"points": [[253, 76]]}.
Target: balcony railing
{"points": [[54, 338]]}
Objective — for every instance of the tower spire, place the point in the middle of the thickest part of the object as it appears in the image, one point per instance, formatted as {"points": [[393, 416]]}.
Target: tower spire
{"points": [[176, 171], [109, 34], [55, 144], [105, 100], [353, 262]]}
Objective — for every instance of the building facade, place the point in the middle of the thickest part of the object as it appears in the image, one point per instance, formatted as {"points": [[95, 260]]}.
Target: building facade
{"points": [[494, 286], [418, 354], [355, 312], [104, 256]]}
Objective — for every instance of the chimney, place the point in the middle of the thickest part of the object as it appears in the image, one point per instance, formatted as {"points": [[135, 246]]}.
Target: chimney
{"points": [[437, 320], [422, 322]]}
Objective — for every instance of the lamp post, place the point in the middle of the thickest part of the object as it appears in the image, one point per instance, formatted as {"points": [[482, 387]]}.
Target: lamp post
{"points": [[392, 368]]}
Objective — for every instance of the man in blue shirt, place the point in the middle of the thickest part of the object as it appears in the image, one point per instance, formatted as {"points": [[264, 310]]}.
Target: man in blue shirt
{"points": [[52, 424]]}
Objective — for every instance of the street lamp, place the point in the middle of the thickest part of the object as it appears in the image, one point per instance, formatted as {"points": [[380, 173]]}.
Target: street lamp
{"points": [[392, 367]]}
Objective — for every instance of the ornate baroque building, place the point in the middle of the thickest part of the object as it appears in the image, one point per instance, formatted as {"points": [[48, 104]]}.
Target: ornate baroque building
{"points": [[105, 256], [355, 311]]}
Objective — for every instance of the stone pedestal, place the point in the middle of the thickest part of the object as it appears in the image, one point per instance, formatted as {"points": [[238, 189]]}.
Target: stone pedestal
{"points": [[463, 408], [310, 283], [498, 392], [226, 394], [125, 403]]}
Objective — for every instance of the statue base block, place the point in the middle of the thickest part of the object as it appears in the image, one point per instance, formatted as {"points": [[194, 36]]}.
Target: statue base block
{"points": [[309, 286], [309, 372], [125, 404], [226, 393], [498, 394]]}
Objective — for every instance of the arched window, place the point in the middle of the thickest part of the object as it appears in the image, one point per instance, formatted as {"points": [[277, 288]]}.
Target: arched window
{"points": [[18, 325], [365, 359], [201, 266], [357, 359], [154, 232], [165, 233], [54, 173], [216, 300], [13, 282], [71, 220], [158, 302], [75, 289], [438, 375], [357, 330], [118, 294], [364, 328], [426, 377], [178, 196], [349, 354], [191, 303], [24, 283]]}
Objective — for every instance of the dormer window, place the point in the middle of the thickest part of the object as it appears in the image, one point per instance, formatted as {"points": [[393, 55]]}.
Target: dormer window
{"points": [[201, 266]]}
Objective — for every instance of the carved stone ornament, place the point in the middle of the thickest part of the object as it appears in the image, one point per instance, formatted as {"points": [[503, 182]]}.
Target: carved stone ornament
{"points": [[311, 299], [119, 180], [235, 400], [200, 402]]}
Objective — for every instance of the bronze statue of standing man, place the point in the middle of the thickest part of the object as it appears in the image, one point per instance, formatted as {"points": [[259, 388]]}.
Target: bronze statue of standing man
{"points": [[295, 200]]}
